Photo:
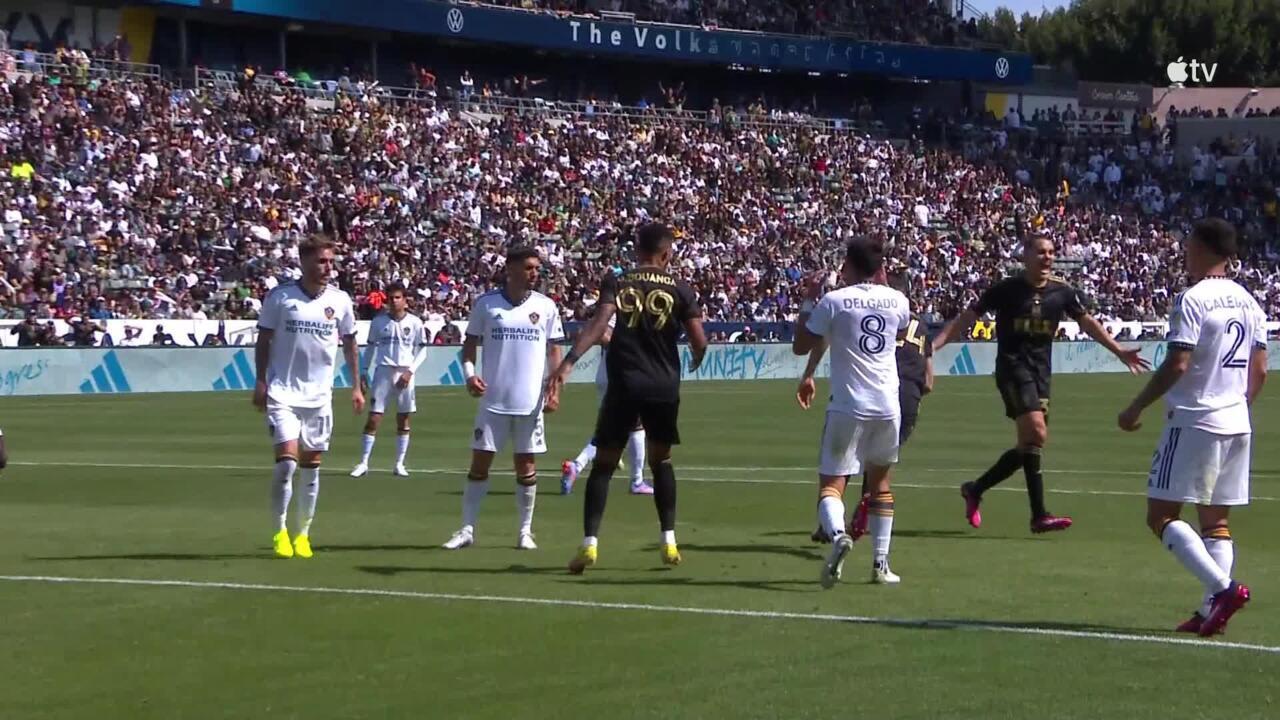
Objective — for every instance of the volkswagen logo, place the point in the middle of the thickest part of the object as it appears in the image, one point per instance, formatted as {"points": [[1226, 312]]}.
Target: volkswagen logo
{"points": [[1002, 64], [455, 21]]}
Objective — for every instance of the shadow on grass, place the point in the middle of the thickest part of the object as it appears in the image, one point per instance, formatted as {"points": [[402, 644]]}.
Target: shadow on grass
{"points": [[670, 582], [264, 555], [814, 553], [392, 570]]}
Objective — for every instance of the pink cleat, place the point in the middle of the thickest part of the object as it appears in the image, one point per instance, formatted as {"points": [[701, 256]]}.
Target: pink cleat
{"points": [[1225, 604], [641, 488], [971, 502], [1049, 523], [858, 523], [568, 476], [1194, 624]]}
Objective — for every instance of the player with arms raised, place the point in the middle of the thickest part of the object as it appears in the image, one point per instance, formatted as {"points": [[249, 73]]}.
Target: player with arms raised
{"points": [[299, 329], [518, 327], [1215, 368], [860, 323], [643, 364], [397, 348], [1028, 308]]}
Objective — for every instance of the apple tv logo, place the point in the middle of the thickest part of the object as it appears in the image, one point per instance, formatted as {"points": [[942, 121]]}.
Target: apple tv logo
{"points": [[1199, 71]]}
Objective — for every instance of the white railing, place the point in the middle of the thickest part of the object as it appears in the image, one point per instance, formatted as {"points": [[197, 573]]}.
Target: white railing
{"points": [[50, 65]]}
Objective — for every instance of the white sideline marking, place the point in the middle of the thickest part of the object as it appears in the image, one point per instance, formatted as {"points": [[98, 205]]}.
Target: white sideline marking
{"points": [[679, 609], [683, 478]]}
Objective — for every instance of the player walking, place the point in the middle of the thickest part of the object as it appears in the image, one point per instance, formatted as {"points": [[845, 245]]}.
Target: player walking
{"points": [[1028, 308], [299, 329], [643, 365], [859, 323], [397, 348], [517, 327], [635, 443], [1215, 368]]}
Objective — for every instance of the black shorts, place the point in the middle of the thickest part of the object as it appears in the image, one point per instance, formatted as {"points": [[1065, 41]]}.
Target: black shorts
{"points": [[620, 411], [1023, 390], [909, 401]]}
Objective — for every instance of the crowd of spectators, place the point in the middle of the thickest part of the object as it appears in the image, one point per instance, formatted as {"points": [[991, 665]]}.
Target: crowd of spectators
{"points": [[137, 199]]}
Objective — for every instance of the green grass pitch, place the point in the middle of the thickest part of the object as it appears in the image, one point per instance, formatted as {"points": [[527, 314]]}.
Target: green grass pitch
{"points": [[175, 487]]}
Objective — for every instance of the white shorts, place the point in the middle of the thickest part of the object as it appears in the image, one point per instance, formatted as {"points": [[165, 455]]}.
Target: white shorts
{"points": [[524, 431], [1196, 466], [311, 427], [849, 442], [383, 389]]}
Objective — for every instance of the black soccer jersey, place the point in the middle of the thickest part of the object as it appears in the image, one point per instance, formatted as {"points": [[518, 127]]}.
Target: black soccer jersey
{"points": [[912, 352], [1027, 319], [653, 306]]}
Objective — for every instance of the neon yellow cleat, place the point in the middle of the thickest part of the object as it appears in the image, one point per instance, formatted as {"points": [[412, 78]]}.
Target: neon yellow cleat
{"points": [[670, 554], [585, 558], [302, 546], [284, 548]]}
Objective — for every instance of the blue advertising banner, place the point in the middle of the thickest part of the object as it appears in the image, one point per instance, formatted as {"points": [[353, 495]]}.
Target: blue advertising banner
{"points": [[655, 41]]}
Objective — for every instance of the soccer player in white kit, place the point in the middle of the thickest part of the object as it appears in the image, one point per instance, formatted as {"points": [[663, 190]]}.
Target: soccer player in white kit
{"points": [[517, 327], [1215, 367], [861, 324], [570, 469], [397, 348], [299, 329]]}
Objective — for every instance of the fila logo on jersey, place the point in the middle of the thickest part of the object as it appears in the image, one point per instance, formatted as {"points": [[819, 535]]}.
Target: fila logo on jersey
{"points": [[107, 377], [963, 364]]}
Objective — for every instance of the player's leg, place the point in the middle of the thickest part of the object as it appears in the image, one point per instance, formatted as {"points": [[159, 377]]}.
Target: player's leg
{"points": [[367, 438], [878, 448], [490, 435], [285, 429], [313, 443], [636, 446], [661, 421], [4, 454], [406, 406], [529, 441], [1230, 488], [837, 461], [1033, 433], [1010, 460], [570, 469], [618, 414], [379, 396]]}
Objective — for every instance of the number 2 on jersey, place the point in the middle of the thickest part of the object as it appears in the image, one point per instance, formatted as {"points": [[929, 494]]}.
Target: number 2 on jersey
{"points": [[632, 303], [1230, 360], [872, 340]]}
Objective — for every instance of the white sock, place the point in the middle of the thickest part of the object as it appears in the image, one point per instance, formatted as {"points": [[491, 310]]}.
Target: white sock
{"points": [[366, 448], [526, 498], [586, 456], [590, 541], [402, 447], [880, 525], [1186, 545], [472, 494], [1223, 552], [668, 537], [310, 477], [282, 490], [635, 456], [831, 515]]}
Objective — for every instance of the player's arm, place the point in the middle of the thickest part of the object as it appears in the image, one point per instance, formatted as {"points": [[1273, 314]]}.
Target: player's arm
{"points": [[351, 350], [1184, 334], [1131, 357], [956, 329], [1257, 372], [268, 319], [590, 336], [802, 340], [808, 387], [928, 375], [470, 351], [555, 333], [697, 341]]}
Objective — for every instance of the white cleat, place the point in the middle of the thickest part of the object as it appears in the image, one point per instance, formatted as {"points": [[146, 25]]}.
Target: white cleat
{"points": [[834, 565], [463, 538], [400, 470], [526, 542], [882, 575], [360, 470]]}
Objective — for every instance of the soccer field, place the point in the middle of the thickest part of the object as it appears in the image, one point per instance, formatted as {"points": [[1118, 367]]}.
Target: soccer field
{"points": [[138, 580]]}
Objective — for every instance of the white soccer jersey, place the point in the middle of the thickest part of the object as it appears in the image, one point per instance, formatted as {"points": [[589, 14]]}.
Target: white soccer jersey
{"points": [[861, 324], [396, 343], [514, 349], [1221, 323], [308, 331]]}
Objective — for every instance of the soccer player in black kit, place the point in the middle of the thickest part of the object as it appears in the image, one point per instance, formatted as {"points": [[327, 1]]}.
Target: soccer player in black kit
{"points": [[1028, 308], [643, 365]]}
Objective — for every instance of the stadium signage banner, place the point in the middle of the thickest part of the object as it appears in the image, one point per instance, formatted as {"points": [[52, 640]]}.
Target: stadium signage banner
{"points": [[93, 371], [1114, 95], [657, 41]]}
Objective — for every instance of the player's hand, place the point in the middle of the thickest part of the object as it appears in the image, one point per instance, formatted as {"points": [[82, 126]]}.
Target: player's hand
{"points": [[1132, 358], [806, 392], [260, 396], [357, 400], [1130, 419], [404, 380], [551, 401], [476, 386]]}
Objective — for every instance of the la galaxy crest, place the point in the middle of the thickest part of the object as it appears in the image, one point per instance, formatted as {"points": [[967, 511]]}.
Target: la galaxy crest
{"points": [[533, 318], [328, 313]]}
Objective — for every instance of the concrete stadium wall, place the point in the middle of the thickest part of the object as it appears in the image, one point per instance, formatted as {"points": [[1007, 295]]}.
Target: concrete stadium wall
{"points": [[73, 371]]}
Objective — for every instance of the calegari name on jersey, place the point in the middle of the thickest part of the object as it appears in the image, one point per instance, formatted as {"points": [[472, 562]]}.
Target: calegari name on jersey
{"points": [[861, 324], [513, 354], [1220, 323], [304, 347], [396, 343]]}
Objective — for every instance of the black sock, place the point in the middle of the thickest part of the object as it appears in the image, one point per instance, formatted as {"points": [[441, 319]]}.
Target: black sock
{"points": [[1035, 481], [664, 493], [864, 486], [595, 498], [1007, 465]]}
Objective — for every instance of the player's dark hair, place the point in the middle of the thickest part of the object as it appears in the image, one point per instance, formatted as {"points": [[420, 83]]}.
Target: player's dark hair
{"points": [[1218, 236], [313, 245], [520, 253], [395, 287], [653, 238], [1030, 241], [865, 256]]}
